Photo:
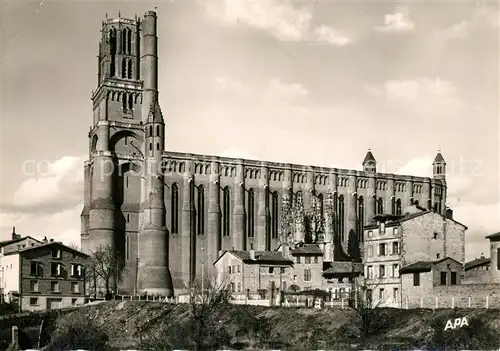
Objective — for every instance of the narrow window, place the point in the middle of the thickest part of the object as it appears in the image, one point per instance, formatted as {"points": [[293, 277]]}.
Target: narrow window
{"points": [[321, 206], [128, 218], [158, 130], [174, 212], [124, 101], [127, 247], [157, 146], [341, 215], [124, 68], [129, 41], [250, 212], [416, 279], [361, 217], [453, 278], [398, 207], [443, 278], [380, 206], [150, 130], [129, 69], [130, 101], [274, 215], [201, 210], [393, 206], [226, 211]]}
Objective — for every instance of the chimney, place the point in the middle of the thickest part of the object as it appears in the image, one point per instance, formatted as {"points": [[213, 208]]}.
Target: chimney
{"points": [[449, 213], [252, 253], [14, 235], [45, 240], [51, 240]]}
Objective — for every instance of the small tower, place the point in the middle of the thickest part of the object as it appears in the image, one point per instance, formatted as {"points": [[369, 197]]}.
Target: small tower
{"points": [[439, 167], [369, 163]]}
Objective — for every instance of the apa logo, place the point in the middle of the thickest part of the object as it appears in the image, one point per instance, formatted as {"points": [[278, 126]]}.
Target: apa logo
{"points": [[459, 323]]}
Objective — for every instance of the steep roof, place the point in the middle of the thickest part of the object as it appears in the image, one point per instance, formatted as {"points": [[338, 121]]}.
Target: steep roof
{"points": [[306, 249], [155, 115], [369, 157], [477, 262], [439, 158]]}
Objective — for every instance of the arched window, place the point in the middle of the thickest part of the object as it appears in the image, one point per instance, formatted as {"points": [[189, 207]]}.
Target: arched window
{"points": [[361, 217], [174, 211], [398, 208], [129, 41], [157, 146], [435, 206], [124, 101], [274, 215], [157, 130], [124, 41], [226, 208], [380, 206], [251, 215], [130, 101], [112, 51], [393, 205], [341, 216], [201, 210], [150, 146], [124, 68], [150, 130]]}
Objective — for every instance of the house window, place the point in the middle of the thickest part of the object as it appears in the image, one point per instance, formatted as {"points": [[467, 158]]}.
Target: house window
{"points": [[73, 302], [437, 256], [395, 270], [34, 286], [453, 278], [239, 287], [395, 294], [229, 269], [381, 249], [54, 286], [282, 270], [381, 271], [307, 275], [435, 235], [395, 248], [370, 234], [76, 270], [443, 278], [416, 279], [395, 231], [369, 272], [298, 259], [239, 269], [33, 301], [55, 269], [381, 294], [233, 287], [271, 270], [74, 287], [295, 278], [315, 259], [308, 260], [370, 251], [34, 268], [56, 253]]}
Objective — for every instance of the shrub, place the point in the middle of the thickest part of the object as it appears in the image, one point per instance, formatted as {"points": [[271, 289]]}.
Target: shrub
{"points": [[76, 332]]}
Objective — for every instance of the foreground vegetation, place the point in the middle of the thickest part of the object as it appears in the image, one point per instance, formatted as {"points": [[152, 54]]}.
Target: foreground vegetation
{"points": [[218, 325]]}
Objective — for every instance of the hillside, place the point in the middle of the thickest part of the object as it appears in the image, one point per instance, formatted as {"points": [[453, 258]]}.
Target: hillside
{"points": [[154, 326]]}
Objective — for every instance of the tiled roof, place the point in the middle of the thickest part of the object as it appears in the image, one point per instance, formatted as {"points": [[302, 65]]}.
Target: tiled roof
{"points": [[494, 236], [477, 262], [56, 243], [13, 241], [395, 220], [342, 267], [262, 257], [306, 249], [423, 266]]}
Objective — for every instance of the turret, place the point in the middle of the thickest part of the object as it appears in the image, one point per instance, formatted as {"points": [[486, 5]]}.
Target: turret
{"points": [[153, 271], [369, 163], [439, 167]]}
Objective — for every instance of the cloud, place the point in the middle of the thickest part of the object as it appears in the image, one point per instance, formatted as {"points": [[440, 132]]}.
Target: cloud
{"points": [[49, 202], [397, 22], [281, 19], [456, 31], [329, 35], [428, 96]]}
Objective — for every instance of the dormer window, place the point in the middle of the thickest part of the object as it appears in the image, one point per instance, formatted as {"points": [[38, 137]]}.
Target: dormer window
{"points": [[55, 269], [76, 270], [435, 235]]}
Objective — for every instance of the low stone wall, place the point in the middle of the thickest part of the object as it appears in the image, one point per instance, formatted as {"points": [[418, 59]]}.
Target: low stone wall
{"points": [[457, 296]]}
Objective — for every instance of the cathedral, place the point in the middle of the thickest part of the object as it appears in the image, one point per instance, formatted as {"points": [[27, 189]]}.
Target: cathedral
{"points": [[167, 212]]}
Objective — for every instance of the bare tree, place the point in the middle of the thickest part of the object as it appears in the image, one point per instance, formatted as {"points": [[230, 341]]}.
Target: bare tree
{"points": [[106, 266]]}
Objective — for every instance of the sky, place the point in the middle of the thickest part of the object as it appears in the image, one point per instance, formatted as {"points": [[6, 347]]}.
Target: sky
{"points": [[307, 82]]}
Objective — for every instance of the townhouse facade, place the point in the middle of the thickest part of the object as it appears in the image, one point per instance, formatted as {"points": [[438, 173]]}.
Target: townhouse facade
{"points": [[45, 275]]}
